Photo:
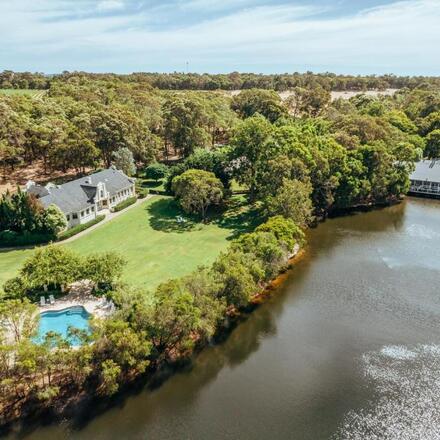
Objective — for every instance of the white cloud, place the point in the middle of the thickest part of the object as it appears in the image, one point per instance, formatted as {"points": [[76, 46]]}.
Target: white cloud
{"points": [[400, 37], [110, 5]]}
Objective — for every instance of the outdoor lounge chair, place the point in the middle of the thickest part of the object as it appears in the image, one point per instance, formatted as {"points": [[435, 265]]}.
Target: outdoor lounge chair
{"points": [[51, 299], [42, 301]]}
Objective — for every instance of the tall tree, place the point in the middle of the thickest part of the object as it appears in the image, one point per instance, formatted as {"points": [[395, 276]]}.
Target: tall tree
{"points": [[197, 190]]}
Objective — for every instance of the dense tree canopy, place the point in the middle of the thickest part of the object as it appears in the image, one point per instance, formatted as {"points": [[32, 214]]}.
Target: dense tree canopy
{"points": [[197, 190]]}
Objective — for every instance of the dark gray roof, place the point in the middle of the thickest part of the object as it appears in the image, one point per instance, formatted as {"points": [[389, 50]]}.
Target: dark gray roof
{"points": [[79, 194], [427, 170], [37, 190]]}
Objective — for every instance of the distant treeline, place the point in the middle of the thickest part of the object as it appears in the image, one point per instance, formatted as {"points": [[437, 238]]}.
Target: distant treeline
{"points": [[230, 81]]}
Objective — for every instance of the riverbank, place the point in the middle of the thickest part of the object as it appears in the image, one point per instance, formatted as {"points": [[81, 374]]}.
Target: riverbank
{"points": [[313, 361], [68, 400], [64, 405]]}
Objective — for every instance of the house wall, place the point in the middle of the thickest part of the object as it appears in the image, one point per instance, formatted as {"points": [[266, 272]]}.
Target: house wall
{"points": [[82, 216], [122, 195], [113, 200]]}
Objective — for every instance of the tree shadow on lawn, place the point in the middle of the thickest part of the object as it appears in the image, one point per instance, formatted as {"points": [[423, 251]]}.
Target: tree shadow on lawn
{"points": [[163, 217], [152, 184], [239, 218], [236, 216]]}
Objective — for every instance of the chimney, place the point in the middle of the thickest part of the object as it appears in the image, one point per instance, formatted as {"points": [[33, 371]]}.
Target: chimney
{"points": [[29, 184]]}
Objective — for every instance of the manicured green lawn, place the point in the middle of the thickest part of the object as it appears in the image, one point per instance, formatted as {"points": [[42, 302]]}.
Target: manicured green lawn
{"points": [[154, 244]]}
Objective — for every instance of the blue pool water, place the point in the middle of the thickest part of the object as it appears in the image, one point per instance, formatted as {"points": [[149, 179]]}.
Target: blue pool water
{"points": [[60, 321]]}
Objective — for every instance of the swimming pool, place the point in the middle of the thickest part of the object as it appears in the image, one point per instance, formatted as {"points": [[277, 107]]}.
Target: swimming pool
{"points": [[59, 321]]}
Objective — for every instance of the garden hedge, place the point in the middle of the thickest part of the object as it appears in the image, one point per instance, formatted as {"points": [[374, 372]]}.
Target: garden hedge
{"points": [[124, 204], [79, 228]]}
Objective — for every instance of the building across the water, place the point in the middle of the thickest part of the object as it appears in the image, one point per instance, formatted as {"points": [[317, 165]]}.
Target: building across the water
{"points": [[83, 199], [425, 180]]}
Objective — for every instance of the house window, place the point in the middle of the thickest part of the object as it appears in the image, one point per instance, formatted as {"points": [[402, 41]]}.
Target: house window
{"points": [[92, 208], [67, 217], [74, 216], [82, 213], [88, 211], [101, 193]]}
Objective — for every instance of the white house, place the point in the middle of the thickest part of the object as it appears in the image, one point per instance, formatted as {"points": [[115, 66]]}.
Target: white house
{"points": [[83, 199]]}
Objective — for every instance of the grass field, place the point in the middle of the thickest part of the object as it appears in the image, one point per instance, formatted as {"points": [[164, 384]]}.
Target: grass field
{"points": [[37, 94], [154, 244]]}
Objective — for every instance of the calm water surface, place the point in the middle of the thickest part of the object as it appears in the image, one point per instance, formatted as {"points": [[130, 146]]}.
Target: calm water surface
{"points": [[348, 349]]}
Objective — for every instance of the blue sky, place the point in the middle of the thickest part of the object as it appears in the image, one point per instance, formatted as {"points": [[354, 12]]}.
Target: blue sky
{"points": [[268, 36]]}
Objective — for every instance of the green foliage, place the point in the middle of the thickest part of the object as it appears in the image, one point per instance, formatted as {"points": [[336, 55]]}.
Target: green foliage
{"points": [[285, 230], [104, 268], [197, 190], [51, 265], [48, 393], [156, 171], [175, 316], [20, 317], [12, 238], [56, 267], [432, 150], [110, 372], [117, 341], [54, 219], [291, 201], [250, 148], [141, 192], [310, 101], [124, 161], [195, 120], [264, 102], [21, 212], [304, 157], [215, 161], [400, 120], [265, 247], [14, 288], [79, 228], [124, 204], [240, 276], [23, 220]]}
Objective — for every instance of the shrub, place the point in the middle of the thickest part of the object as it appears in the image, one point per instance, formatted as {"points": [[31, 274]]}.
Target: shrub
{"points": [[14, 288], [240, 276], [156, 171], [124, 204], [285, 230], [54, 219], [12, 238], [79, 228], [265, 247], [142, 192]]}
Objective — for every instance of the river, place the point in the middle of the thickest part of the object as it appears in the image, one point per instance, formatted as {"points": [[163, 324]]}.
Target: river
{"points": [[348, 348]]}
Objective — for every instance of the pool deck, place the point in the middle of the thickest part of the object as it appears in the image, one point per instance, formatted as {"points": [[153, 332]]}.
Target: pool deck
{"points": [[80, 295]]}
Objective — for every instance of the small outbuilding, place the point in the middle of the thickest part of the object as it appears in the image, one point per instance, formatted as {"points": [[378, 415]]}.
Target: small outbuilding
{"points": [[425, 180]]}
